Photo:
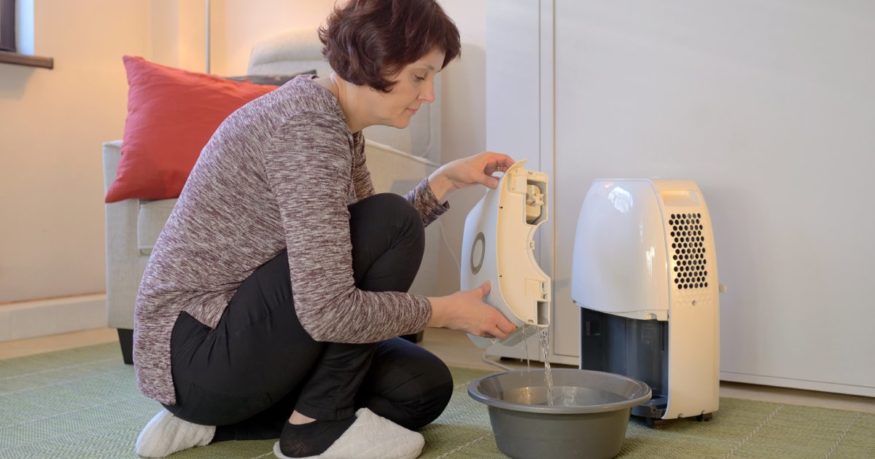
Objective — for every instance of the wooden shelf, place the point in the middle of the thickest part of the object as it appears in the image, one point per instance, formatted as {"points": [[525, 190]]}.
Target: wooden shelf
{"points": [[29, 61]]}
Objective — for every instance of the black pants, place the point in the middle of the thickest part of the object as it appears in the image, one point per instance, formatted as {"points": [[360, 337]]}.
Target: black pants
{"points": [[248, 374]]}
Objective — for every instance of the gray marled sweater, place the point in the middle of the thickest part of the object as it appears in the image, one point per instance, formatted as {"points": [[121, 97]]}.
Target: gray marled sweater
{"points": [[277, 174]]}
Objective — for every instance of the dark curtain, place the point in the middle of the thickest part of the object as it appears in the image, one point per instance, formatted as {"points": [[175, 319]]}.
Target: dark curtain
{"points": [[7, 25]]}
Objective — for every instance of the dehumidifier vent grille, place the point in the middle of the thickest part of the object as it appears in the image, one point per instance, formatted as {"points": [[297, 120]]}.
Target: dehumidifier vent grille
{"points": [[688, 251]]}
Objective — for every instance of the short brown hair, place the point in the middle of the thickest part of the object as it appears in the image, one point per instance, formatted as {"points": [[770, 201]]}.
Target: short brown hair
{"points": [[367, 40]]}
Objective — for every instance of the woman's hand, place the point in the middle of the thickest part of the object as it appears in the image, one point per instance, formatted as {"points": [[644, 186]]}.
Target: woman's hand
{"points": [[468, 171], [466, 311]]}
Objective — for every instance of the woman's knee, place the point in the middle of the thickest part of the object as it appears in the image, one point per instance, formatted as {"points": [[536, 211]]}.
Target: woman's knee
{"points": [[388, 243], [437, 396], [390, 207], [418, 390]]}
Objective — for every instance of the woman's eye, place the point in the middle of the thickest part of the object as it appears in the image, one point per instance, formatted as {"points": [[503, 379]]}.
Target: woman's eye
{"points": [[419, 78]]}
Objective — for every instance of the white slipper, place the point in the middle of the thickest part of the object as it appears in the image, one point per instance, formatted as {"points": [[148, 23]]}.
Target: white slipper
{"points": [[166, 434], [370, 437]]}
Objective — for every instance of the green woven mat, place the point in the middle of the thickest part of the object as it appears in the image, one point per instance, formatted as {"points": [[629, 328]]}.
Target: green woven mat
{"points": [[84, 403]]}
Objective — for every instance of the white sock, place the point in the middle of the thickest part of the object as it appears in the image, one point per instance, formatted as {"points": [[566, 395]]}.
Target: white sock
{"points": [[371, 437], [166, 434]]}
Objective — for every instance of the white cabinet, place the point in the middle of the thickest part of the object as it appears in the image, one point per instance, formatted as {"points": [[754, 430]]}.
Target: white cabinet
{"points": [[519, 116], [768, 107]]}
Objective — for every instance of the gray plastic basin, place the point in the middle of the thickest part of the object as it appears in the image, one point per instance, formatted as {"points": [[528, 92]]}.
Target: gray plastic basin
{"points": [[588, 419]]}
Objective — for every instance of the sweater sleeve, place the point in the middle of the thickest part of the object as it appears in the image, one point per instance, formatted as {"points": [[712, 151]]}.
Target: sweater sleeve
{"points": [[426, 202], [308, 164], [361, 177]]}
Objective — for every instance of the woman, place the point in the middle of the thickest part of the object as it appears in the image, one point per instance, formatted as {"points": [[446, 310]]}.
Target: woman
{"points": [[274, 295]]}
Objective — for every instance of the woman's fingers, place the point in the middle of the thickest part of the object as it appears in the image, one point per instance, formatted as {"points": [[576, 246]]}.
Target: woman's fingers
{"points": [[498, 325], [487, 320], [476, 169], [502, 329], [505, 326], [497, 162], [485, 288]]}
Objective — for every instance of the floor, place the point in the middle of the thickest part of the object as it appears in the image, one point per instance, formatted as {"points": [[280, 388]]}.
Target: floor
{"points": [[456, 350]]}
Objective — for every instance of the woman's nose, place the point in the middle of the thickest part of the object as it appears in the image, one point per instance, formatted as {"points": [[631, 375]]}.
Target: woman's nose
{"points": [[427, 93]]}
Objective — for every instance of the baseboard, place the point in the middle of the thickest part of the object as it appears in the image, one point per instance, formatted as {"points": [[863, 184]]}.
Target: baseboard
{"points": [[28, 319], [794, 383]]}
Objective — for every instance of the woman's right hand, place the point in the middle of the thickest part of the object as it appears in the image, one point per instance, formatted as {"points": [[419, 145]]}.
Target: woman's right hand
{"points": [[466, 311]]}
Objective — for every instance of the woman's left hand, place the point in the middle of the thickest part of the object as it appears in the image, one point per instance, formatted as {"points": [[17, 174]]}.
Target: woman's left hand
{"points": [[476, 169]]}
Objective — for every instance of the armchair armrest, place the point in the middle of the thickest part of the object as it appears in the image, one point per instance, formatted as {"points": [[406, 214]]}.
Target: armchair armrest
{"points": [[112, 154], [124, 266]]}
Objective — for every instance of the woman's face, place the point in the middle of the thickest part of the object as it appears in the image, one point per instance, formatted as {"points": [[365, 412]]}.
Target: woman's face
{"points": [[414, 86]]}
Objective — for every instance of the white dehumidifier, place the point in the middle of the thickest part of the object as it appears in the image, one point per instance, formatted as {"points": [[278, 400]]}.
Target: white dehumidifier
{"points": [[644, 273], [498, 246]]}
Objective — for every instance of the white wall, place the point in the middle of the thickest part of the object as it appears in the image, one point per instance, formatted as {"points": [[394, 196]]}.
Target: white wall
{"points": [[238, 24], [53, 121], [767, 107], [464, 124], [177, 33]]}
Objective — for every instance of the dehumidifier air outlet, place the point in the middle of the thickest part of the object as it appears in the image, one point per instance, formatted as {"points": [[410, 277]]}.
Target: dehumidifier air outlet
{"points": [[688, 251]]}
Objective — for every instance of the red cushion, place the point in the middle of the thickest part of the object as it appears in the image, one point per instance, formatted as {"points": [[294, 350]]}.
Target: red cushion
{"points": [[171, 115]]}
